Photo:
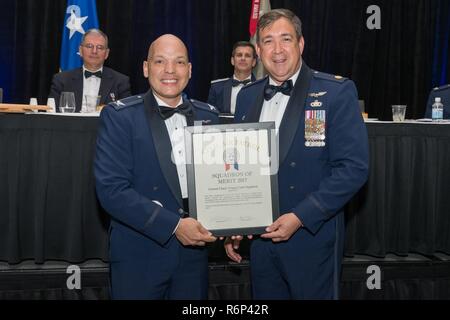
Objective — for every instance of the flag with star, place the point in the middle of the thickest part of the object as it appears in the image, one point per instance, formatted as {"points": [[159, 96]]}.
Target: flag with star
{"points": [[81, 15]]}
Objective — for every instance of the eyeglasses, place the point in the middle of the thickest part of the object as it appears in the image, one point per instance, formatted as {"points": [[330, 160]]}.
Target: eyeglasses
{"points": [[90, 46]]}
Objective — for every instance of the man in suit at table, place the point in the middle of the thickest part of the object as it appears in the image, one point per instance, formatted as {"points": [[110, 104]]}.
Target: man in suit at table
{"points": [[92, 78], [223, 92], [156, 250], [442, 92], [323, 162]]}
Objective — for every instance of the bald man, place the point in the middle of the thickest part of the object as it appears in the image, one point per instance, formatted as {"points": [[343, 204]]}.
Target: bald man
{"points": [[156, 250]]}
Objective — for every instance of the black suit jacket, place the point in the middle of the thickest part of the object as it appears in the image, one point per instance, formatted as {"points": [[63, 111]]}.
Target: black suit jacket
{"points": [[220, 94], [114, 86]]}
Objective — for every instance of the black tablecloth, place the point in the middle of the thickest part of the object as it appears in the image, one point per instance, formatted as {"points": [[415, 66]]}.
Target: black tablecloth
{"points": [[48, 207], [405, 205], [49, 211]]}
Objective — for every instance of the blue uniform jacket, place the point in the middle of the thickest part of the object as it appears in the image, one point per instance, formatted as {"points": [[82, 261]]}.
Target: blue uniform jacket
{"points": [[134, 172], [220, 94], [444, 93], [315, 182]]}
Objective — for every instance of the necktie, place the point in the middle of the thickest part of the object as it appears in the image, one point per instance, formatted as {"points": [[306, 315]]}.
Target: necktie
{"points": [[235, 82], [88, 74], [166, 112], [284, 88]]}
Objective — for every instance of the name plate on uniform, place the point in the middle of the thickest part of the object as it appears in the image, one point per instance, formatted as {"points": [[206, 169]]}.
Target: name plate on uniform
{"points": [[232, 177]]}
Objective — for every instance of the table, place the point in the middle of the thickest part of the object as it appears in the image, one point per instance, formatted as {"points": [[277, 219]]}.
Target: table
{"points": [[405, 205], [49, 211]]}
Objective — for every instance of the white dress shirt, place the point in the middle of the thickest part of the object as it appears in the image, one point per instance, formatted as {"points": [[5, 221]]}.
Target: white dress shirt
{"points": [[234, 93], [91, 87], [273, 110], [175, 128]]}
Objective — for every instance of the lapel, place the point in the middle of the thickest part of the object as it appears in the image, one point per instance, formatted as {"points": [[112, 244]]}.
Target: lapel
{"points": [[190, 119], [105, 86], [77, 80], [227, 95], [294, 111], [255, 109], [162, 144]]}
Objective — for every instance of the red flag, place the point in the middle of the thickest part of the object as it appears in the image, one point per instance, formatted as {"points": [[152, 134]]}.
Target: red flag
{"points": [[259, 7], [254, 16]]}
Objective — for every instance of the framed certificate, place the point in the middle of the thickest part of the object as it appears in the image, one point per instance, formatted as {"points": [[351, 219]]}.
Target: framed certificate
{"points": [[232, 177]]}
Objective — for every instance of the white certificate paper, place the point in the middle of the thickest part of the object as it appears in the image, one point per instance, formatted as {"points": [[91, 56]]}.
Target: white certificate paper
{"points": [[230, 182]]}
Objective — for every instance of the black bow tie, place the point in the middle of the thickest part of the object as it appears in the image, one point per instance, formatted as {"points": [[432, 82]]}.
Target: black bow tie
{"points": [[167, 112], [235, 82], [88, 74], [284, 88]]}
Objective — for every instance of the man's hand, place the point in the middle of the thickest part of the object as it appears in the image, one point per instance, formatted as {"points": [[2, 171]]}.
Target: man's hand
{"points": [[283, 228], [190, 232], [231, 244]]}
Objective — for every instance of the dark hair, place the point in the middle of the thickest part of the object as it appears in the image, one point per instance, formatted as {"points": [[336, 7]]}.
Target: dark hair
{"points": [[97, 31], [243, 44], [270, 17]]}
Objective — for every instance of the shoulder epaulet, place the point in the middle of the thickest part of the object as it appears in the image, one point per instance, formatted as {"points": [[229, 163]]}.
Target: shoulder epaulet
{"points": [[327, 76], [127, 102], [204, 106], [219, 80], [445, 86], [254, 83]]}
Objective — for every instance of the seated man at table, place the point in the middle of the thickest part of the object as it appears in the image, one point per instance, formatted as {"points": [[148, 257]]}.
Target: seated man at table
{"points": [[223, 92], [442, 92], [92, 78]]}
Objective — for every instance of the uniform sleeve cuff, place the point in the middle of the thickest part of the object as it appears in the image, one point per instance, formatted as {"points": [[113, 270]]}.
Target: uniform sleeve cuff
{"points": [[310, 214]]}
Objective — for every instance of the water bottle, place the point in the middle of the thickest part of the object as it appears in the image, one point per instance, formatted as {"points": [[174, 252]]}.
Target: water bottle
{"points": [[437, 110]]}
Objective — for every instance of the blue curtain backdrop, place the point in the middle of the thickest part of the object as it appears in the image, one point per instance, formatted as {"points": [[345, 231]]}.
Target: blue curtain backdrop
{"points": [[441, 63], [6, 47], [398, 64]]}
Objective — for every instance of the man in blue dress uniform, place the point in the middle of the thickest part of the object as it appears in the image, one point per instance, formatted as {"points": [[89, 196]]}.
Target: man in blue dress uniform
{"points": [[156, 250], [442, 92], [223, 92], [323, 162]]}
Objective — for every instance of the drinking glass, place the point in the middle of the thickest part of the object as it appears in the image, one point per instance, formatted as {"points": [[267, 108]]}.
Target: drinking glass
{"points": [[90, 103], [67, 102], [398, 113]]}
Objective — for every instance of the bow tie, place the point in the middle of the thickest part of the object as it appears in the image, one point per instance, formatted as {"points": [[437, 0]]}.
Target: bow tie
{"points": [[235, 82], [166, 112], [284, 88], [88, 74]]}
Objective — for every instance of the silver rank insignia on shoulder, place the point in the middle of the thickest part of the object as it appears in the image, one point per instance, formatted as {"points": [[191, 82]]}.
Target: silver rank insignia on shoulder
{"points": [[316, 104], [317, 95], [315, 121]]}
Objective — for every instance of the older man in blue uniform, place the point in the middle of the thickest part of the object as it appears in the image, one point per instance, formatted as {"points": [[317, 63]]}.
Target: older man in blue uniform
{"points": [[223, 92], [156, 250], [323, 162], [442, 92]]}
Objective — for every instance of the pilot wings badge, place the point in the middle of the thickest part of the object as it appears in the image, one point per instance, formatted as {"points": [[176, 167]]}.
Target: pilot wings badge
{"points": [[318, 94]]}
